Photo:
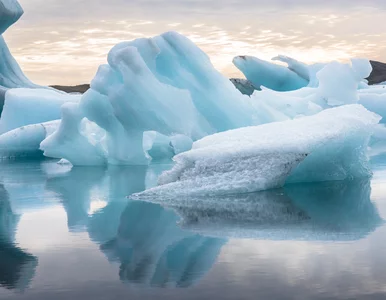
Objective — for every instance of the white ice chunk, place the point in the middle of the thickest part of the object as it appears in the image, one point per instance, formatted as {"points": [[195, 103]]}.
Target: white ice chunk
{"points": [[328, 146], [338, 92], [362, 67], [374, 102]]}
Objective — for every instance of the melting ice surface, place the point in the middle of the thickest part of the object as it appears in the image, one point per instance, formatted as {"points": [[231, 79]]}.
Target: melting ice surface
{"points": [[79, 220]]}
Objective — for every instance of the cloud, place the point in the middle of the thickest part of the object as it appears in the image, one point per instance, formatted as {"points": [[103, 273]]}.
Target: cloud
{"points": [[54, 35]]}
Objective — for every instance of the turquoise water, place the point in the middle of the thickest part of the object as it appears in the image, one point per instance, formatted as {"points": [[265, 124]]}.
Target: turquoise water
{"points": [[74, 234]]}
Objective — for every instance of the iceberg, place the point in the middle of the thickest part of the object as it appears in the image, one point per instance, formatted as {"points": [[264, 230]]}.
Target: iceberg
{"points": [[10, 12], [70, 143], [297, 74], [11, 76], [22, 102], [269, 75], [160, 147], [307, 72], [164, 84], [156, 96], [32, 106], [25, 141], [331, 145], [375, 102]]}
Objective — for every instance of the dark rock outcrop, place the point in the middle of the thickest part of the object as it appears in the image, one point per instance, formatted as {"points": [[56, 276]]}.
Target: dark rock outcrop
{"points": [[82, 88], [244, 86], [378, 74]]}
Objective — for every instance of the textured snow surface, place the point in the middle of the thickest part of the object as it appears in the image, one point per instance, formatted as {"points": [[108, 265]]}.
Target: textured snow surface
{"points": [[331, 145]]}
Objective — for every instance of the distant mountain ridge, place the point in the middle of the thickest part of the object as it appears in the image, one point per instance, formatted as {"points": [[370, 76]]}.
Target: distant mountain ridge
{"points": [[378, 75]]}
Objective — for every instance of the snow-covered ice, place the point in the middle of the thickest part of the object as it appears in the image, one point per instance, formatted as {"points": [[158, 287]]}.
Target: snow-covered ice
{"points": [[331, 145]]}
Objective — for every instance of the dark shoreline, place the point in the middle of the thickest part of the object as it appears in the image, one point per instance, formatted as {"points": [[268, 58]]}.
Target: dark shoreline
{"points": [[378, 75]]}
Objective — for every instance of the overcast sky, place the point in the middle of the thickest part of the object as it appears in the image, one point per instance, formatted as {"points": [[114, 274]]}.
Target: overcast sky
{"points": [[63, 42]]}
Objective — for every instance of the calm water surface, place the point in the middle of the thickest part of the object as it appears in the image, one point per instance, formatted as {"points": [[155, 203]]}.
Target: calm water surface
{"points": [[73, 234]]}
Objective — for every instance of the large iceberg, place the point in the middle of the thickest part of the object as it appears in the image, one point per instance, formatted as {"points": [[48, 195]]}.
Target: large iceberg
{"points": [[166, 84], [331, 145]]}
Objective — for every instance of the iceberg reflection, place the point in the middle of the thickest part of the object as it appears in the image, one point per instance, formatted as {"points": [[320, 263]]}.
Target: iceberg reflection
{"points": [[152, 249], [171, 242], [145, 238], [340, 210], [74, 190], [17, 267]]}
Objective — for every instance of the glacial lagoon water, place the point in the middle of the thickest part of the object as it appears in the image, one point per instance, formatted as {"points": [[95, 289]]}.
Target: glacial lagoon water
{"points": [[74, 234]]}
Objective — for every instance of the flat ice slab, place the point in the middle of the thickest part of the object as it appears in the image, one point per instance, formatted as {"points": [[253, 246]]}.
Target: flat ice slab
{"points": [[328, 146]]}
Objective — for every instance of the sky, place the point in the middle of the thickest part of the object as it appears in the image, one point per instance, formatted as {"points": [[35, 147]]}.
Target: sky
{"points": [[64, 42]]}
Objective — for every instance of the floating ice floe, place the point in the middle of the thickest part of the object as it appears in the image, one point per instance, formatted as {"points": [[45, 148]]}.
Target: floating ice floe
{"points": [[331, 145]]}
